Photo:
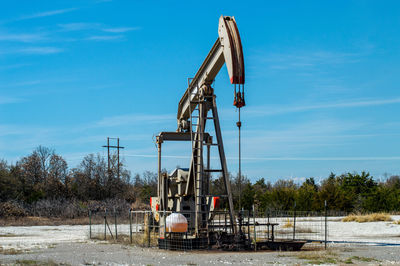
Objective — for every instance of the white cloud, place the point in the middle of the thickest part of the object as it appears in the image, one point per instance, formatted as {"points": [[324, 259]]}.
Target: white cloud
{"points": [[14, 66], [23, 83], [46, 14], [22, 37], [387, 158], [78, 26], [383, 158], [304, 59], [276, 110], [104, 37], [9, 100], [121, 29], [40, 50], [132, 119]]}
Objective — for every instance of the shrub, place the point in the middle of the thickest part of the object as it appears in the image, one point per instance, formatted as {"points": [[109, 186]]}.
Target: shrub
{"points": [[373, 217], [11, 209]]}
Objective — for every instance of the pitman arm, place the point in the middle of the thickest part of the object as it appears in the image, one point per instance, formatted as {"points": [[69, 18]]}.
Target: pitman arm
{"points": [[227, 49]]}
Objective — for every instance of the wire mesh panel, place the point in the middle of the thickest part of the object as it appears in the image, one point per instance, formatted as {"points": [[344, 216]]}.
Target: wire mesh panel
{"points": [[285, 230], [144, 229], [276, 226], [101, 225]]}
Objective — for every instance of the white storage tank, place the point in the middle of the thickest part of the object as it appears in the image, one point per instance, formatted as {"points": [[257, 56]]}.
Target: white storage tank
{"points": [[176, 223]]}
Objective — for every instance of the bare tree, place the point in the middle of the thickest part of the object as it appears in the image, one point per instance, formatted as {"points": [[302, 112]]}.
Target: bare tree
{"points": [[58, 168], [44, 154]]}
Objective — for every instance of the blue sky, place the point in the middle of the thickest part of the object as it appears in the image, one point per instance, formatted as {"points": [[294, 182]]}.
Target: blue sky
{"points": [[322, 81]]}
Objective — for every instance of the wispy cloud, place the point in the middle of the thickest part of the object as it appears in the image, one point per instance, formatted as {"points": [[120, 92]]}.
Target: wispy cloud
{"points": [[22, 130], [276, 110], [384, 158], [13, 66], [21, 83], [104, 37], [40, 50], [306, 59], [132, 119], [9, 100], [22, 37], [46, 14], [79, 26], [302, 138], [37, 50], [120, 30]]}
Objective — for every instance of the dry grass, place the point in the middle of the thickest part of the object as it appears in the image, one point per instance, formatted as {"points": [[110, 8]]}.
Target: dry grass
{"points": [[34, 221], [373, 217], [9, 235], [397, 222], [304, 230], [140, 239], [35, 262], [319, 257], [10, 251], [288, 224], [331, 257]]}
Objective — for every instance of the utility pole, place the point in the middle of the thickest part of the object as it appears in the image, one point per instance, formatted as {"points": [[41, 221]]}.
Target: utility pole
{"points": [[108, 146]]}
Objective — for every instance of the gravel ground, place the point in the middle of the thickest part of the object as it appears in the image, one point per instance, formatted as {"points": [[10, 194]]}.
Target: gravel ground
{"points": [[69, 244], [102, 253]]}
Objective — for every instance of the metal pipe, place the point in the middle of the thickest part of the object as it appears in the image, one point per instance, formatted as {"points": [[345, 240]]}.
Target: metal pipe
{"points": [[159, 167], [239, 125]]}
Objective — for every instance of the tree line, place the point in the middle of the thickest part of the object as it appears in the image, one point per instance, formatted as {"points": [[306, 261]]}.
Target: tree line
{"points": [[44, 176], [349, 192]]}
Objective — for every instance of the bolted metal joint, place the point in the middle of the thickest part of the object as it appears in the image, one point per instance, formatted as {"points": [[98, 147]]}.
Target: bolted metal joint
{"points": [[206, 90]]}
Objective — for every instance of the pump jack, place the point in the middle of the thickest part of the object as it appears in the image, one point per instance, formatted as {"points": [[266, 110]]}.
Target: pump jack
{"points": [[188, 190]]}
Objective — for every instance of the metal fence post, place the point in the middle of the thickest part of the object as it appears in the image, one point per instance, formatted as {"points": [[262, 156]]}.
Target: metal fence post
{"points": [[294, 221], [226, 227], [137, 230], [326, 224], [255, 231], [90, 224], [105, 224], [130, 225], [153, 226], [165, 224], [148, 228], [248, 225], [269, 212], [115, 223]]}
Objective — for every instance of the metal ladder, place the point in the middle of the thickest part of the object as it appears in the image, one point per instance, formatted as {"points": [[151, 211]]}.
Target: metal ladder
{"points": [[197, 139]]}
